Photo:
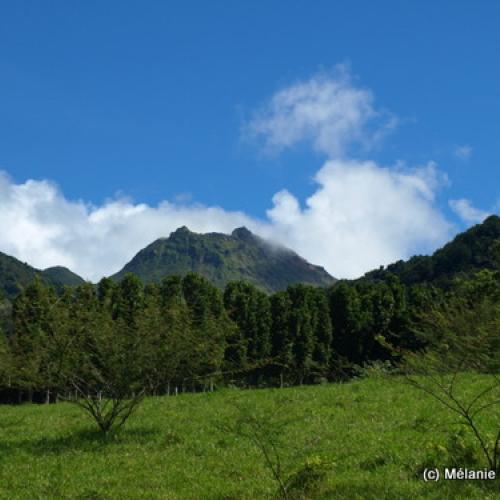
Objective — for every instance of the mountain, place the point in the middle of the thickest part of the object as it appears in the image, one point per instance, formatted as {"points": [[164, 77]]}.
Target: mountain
{"points": [[222, 258], [60, 276], [475, 249], [16, 275]]}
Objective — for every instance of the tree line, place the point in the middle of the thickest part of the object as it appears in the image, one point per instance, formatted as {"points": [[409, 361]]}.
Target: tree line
{"points": [[184, 334]]}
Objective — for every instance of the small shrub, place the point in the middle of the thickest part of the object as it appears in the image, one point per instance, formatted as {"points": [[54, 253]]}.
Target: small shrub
{"points": [[375, 370], [458, 451], [421, 424], [373, 463], [309, 478], [170, 438]]}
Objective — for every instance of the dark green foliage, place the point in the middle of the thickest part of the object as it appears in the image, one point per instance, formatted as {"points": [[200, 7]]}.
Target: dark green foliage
{"points": [[35, 362], [345, 307], [250, 309], [105, 347], [323, 334], [281, 338], [224, 258], [5, 362], [209, 329], [128, 299], [462, 335], [309, 479], [463, 331], [469, 252], [60, 277], [301, 330], [108, 372], [15, 276], [184, 333]]}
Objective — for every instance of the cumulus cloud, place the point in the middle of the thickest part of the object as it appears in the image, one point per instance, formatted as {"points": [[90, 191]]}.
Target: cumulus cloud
{"points": [[40, 226], [467, 212], [463, 152], [327, 111], [360, 215]]}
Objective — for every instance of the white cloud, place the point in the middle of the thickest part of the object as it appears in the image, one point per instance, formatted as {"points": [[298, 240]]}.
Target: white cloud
{"points": [[467, 212], [40, 226], [360, 216], [463, 152], [328, 111]]}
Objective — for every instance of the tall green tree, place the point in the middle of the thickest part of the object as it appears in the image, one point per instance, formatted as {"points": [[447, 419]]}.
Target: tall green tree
{"points": [[250, 309], [347, 320], [32, 337], [323, 333], [5, 362], [281, 337], [302, 330], [128, 299], [210, 328]]}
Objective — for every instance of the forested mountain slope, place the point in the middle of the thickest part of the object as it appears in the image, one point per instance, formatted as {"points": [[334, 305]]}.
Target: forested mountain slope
{"points": [[61, 276], [475, 249], [222, 258], [15, 276]]}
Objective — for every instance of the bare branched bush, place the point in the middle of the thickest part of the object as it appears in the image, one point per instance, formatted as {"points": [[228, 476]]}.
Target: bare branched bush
{"points": [[266, 428], [463, 339], [108, 374]]}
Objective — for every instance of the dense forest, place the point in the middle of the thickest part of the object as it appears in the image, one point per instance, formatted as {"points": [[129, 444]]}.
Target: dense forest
{"points": [[15, 276], [186, 334], [475, 249]]}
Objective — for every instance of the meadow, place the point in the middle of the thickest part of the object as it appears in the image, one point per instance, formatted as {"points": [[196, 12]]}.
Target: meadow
{"points": [[368, 438]]}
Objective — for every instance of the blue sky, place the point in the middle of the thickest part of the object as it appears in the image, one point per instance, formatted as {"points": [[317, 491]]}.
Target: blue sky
{"points": [[142, 102]]}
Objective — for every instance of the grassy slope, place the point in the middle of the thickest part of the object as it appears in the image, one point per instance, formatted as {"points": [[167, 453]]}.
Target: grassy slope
{"points": [[373, 432]]}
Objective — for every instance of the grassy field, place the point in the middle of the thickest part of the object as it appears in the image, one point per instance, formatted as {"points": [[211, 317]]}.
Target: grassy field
{"points": [[364, 439]]}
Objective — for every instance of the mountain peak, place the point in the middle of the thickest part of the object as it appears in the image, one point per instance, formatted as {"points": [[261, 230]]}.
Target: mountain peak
{"points": [[222, 258], [242, 233], [61, 276], [181, 233]]}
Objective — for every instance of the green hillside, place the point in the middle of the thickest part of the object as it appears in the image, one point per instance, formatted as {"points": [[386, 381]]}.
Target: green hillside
{"points": [[475, 249], [16, 275], [366, 439], [61, 276], [223, 258]]}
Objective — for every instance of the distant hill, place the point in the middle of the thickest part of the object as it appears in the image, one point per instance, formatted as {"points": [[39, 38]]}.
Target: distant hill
{"points": [[475, 249], [16, 275], [222, 258], [61, 276]]}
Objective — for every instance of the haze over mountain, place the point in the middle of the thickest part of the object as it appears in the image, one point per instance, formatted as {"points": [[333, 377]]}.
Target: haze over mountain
{"points": [[222, 258]]}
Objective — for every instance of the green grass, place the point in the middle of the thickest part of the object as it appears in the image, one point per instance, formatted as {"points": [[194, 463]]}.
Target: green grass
{"points": [[370, 435]]}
